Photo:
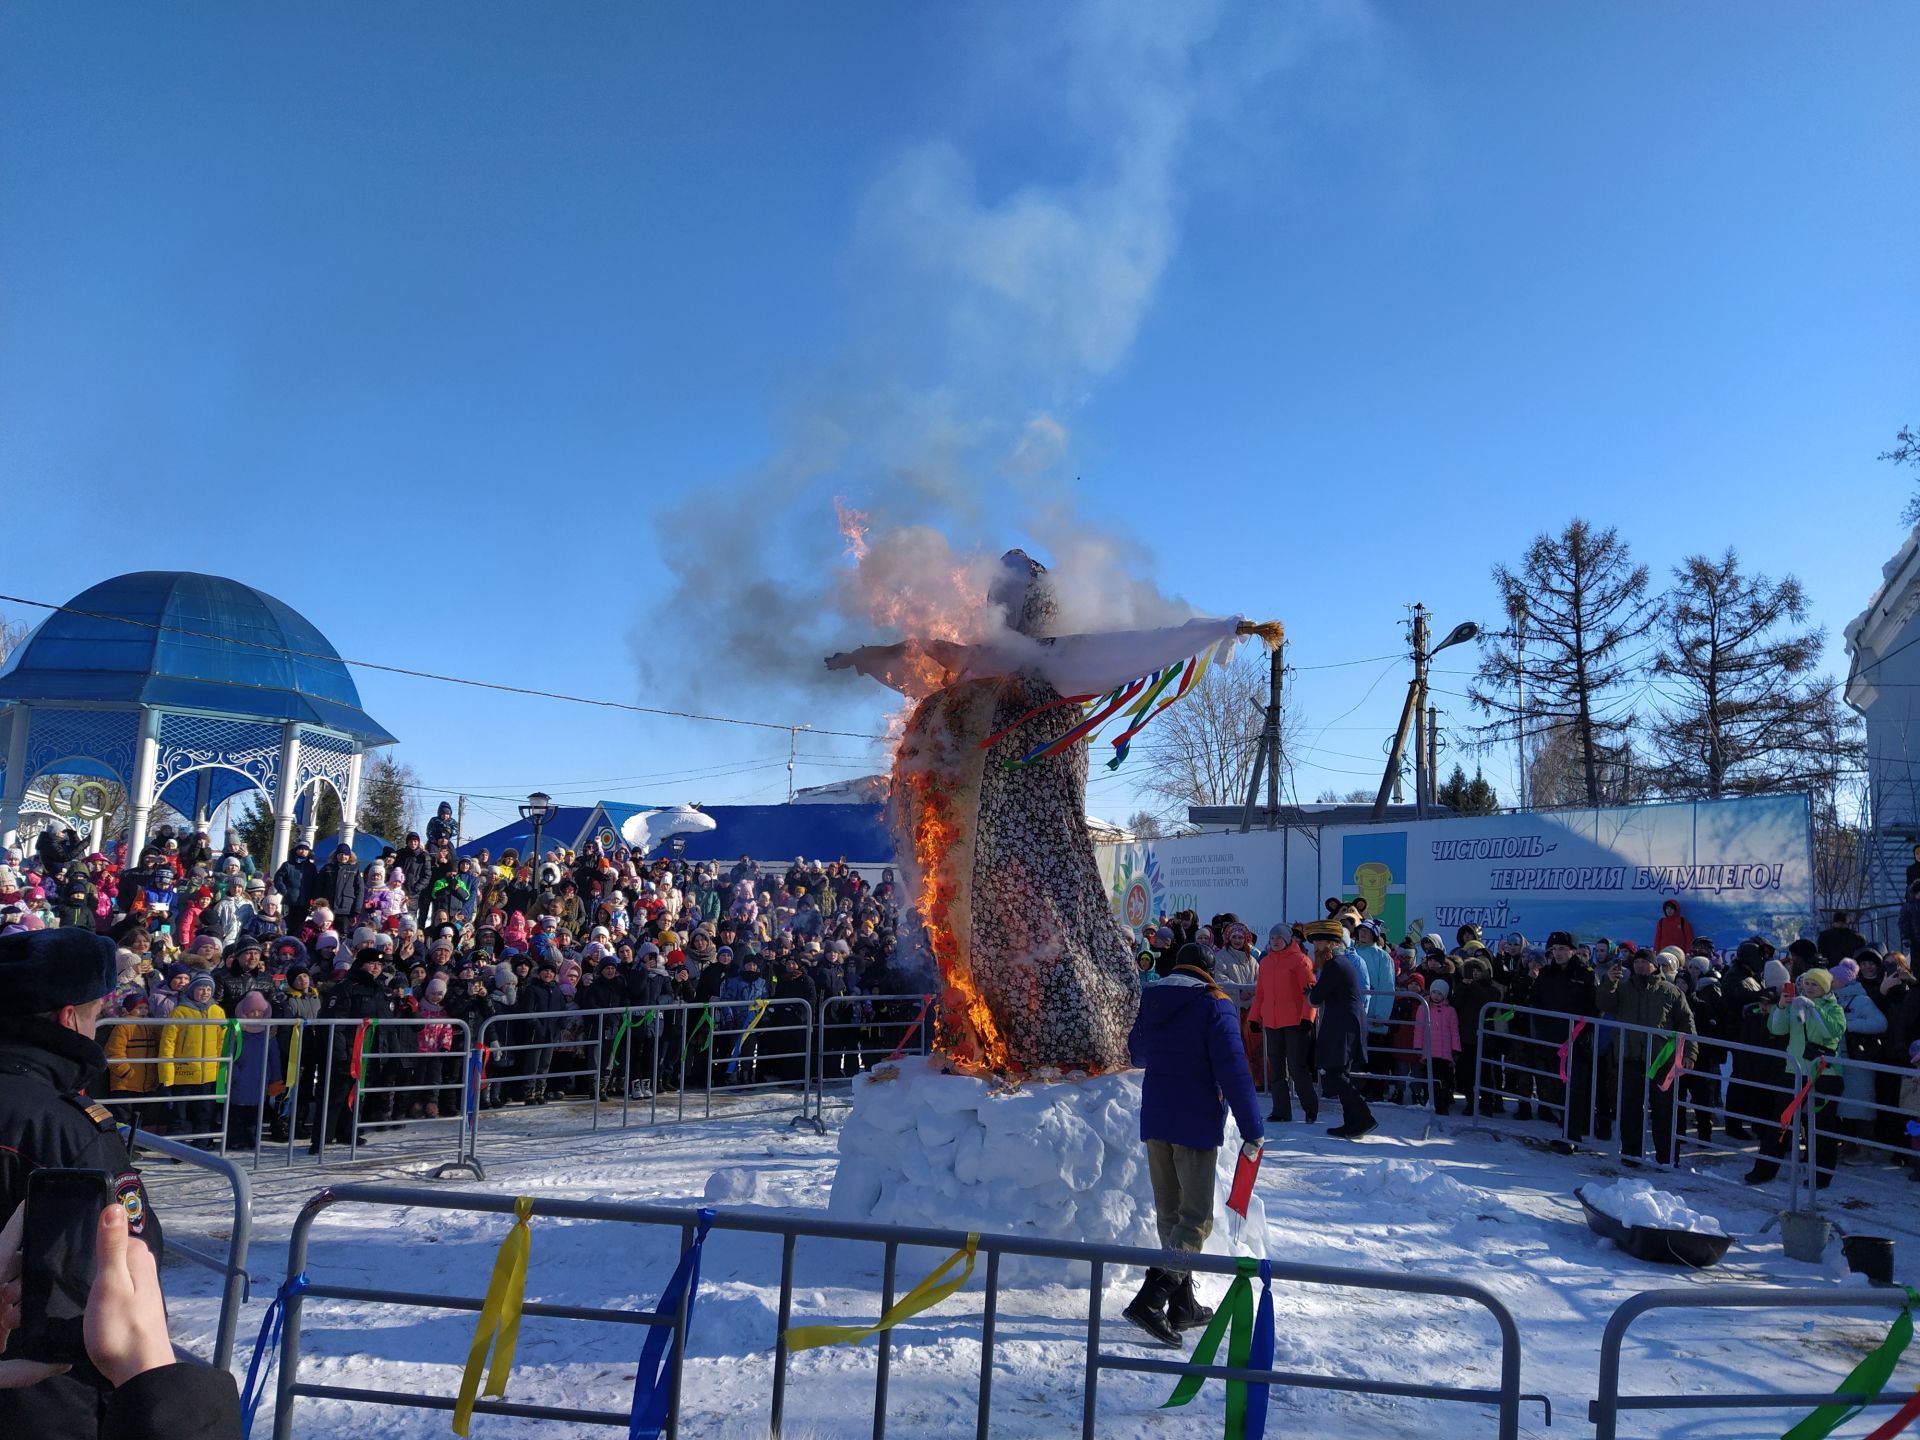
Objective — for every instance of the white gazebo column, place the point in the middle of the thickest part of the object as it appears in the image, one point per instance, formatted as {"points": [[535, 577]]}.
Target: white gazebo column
{"points": [[310, 831], [146, 765], [16, 789], [202, 799], [97, 838], [350, 808], [283, 800]]}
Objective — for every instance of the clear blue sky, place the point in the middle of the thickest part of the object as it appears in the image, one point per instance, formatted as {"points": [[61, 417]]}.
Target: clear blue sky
{"points": [[531, 342]]}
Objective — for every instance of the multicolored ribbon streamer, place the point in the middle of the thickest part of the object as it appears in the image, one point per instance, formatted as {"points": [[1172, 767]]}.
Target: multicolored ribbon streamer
{"points": [[759, 1014], [1249, 1347], [1675, 1051], [1869, 1377], [1104, 709], [367, 1027], [498, 1328], [476, 1080], [653, 1382], [1036, 713], [1793, 1106], [229, 1051], [901, 1048], [1566, 1050], [924, 1296], [1196, 668]]}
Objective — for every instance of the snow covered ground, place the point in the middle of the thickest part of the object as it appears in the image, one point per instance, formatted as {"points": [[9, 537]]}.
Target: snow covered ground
{"points": [[1486, 1202]]}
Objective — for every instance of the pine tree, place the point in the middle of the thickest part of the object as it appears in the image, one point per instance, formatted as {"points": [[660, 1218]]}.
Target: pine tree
{"points": [[1744, 712], [387, 789], [1582, 602], [1468, 797]]}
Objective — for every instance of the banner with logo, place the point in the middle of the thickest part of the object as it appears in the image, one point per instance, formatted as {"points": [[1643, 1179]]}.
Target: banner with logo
{"points": [[1737, 867]]}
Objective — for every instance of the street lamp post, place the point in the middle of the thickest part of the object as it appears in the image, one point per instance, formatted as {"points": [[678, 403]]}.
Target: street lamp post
{"points": [[539, 805], [1413, 715]]}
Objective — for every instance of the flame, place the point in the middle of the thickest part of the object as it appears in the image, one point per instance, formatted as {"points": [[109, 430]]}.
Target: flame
{"points": [[970, 1035], [854, 526]]}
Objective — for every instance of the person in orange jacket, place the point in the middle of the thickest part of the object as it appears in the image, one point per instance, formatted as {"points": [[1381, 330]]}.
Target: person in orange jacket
{"points": [[1285, 1019]]}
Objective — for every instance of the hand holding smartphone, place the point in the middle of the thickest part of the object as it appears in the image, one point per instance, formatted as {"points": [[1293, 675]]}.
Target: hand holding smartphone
{"points": [[57, 1263]]}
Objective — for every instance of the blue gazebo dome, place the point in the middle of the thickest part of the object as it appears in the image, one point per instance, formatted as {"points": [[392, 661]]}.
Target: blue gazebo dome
{"points": [[181, 640]]}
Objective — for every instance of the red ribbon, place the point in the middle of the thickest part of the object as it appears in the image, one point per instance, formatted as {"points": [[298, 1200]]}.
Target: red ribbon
{"points": [[1793, 1109], [1902, 1418], [1567, 1049], [1679, 1063], [353, 1067], [1035, 714], [900, 1049]]}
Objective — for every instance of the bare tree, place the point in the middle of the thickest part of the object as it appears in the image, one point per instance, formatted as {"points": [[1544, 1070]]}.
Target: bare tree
{"points": [[1200, 752], [1586, 601], [1906, 451], [1145, 825]]}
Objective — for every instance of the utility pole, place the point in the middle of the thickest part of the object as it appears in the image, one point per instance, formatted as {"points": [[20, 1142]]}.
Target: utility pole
{"points": [[1416, 718], [1266, 755], [1433, 755], [460, 824], [793, 743]]}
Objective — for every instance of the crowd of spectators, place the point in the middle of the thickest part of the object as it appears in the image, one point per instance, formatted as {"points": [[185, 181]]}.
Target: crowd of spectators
{"points": [[421, 934], [1825, 1000]]}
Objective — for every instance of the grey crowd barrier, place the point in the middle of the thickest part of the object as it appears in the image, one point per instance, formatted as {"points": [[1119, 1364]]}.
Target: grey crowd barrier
{"points": [[1396, 1074], [858, 1032], [1605, 1410], [305, 1086], [232, 1267], [1604, 1100], [1505, 1398]]}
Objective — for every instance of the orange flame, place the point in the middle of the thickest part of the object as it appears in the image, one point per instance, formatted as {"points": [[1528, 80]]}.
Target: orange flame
{"points": [[854, 526], [969, 1034]]}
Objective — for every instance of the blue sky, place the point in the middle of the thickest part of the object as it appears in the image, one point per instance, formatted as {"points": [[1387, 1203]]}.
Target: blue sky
{"points": [[532, 343]]}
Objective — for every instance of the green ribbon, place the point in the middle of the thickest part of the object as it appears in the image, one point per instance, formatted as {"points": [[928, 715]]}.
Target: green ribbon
{"points": [[626, 1024], [705, 1022], [229, 1047], [1233, 1320], [1666, 1054], [1869, 1377], [1501, 1017]]}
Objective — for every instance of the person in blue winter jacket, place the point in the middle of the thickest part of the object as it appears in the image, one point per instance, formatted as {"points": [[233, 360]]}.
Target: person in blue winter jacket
{"points": [[1187, 1039]]}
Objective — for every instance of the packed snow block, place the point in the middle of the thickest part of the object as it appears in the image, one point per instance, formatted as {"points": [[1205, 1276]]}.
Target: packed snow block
{"points": [[1061, 1159]]}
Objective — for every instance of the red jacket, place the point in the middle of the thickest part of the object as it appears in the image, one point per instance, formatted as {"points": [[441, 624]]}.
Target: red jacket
{"points": [[1280, 993], [1675, 930]]}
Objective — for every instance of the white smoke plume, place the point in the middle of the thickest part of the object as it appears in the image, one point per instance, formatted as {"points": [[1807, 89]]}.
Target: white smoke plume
{"points": [[989, 316]]}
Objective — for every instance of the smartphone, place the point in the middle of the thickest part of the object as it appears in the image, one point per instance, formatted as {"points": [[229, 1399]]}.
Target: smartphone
{"points": [[57, 1263]]}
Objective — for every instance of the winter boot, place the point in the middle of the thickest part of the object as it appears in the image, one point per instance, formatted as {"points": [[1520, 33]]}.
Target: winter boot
{"points": [[1147, 1310], [1184, 1310]]}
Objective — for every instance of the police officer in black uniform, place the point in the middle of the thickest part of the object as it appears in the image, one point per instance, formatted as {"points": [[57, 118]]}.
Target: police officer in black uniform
{"points": [[53, 986]]}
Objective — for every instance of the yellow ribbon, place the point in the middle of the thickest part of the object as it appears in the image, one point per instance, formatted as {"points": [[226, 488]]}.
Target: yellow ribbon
{"points": [[499, 1315], [924, 1296]]}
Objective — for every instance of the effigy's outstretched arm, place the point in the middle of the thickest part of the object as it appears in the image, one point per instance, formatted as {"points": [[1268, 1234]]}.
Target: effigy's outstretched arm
{"points": [[1094, 664], [913, 667]]}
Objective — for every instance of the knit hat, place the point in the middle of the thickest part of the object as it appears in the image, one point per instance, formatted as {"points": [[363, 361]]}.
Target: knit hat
{"points": [[1698, 965], [1439, 990], [1671, 954], [200, 977], [1845, 973], [1775, 976], [1821, 980]]}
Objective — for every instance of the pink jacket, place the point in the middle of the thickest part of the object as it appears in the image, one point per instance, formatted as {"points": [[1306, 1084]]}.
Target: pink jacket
{"points": [[1445, 1031]]}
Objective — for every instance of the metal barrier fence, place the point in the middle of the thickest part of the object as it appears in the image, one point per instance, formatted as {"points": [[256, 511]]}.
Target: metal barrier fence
{"points": [[1398, 1073], [235, 1283], [1604, 1412], [334, 1082], [1597, 1095], [858, 1032], [1505, 1398]]}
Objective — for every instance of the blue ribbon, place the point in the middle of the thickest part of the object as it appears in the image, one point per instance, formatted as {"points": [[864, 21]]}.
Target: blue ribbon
{"points": [[267, 1348], [653, 1383], [1260, 1357]]}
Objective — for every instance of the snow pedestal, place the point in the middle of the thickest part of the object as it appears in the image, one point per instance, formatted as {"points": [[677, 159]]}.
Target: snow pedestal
{"points": [[1061, 1159]]}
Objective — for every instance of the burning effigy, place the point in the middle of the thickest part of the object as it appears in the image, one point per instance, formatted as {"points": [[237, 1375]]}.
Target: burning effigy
{"points": [[989, 814]]}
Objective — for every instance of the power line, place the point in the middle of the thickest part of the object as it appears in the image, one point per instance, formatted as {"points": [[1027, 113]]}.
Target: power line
{"points": [[430, 675]]}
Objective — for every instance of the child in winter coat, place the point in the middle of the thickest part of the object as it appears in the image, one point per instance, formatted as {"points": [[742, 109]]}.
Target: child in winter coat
{"points": [[132, 1051], [435, 1045], [259, 1073], [1436, 1034]]}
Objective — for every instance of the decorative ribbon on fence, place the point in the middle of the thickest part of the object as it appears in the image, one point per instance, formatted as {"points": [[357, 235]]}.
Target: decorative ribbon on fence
{"points": [[476, 1080], [498, 1327], [626, 1024], [1675, 1051], [901, 1048], [705, 1022], [1901, 1418], [759, 1014], [1566, 1050], [924, 1296], [354, 1066], [229, 1052], [294, 1043], [1249, 1347], [1793, 1106], [1869, 1377], [1500, 1017], [652, 1384], [1913, 1128], [266, 1348]]}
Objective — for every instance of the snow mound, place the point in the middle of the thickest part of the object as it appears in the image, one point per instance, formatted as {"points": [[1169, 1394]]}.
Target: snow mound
{"points": [[737, 1185], [1061, 1159], [1413, 1182], [1635, 1202]]}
